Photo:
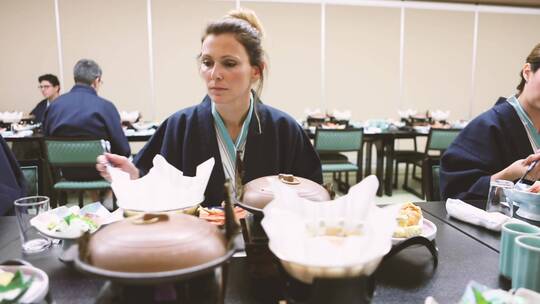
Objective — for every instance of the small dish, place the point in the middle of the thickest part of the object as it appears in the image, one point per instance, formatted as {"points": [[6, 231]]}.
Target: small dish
{"points": [[429, 230], [144, 125], [40, 284], [528, 202]]}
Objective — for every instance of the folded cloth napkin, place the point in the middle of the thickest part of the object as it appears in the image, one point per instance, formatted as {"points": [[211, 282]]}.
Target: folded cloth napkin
{"points": [[470, 214]]}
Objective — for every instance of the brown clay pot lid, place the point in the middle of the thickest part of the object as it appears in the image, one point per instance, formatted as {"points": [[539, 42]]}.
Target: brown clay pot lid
{"points": [[258, 192], [155, 243]]}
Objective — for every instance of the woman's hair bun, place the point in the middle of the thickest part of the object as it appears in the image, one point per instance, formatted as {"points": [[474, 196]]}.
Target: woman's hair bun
{"points": [[248, 16]]}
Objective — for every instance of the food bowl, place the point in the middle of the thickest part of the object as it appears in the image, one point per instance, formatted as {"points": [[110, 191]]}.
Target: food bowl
{"points": [[39, 286], [307, 273], [529, 203]]}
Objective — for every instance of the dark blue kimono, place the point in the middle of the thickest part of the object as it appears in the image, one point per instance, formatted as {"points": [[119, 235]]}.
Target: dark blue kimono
{"points": [[82, 113], [275, 144], [489, 143], [39, 110], [12, 184]]}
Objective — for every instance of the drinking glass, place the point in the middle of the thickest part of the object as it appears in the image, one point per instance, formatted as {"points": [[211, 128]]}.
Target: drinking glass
{"points": [[497, 200], [26, 209]]}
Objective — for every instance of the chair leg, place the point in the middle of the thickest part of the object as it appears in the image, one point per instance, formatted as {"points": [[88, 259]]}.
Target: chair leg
{"points": [[63, 198], [406, 178], [396, 175], [414, 173], [54, 199], [81, 199]]}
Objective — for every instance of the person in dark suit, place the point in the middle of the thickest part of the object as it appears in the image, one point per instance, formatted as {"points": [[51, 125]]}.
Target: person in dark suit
{"points": [[82, 113], [498, 144], [50, 89], [12, 183]]}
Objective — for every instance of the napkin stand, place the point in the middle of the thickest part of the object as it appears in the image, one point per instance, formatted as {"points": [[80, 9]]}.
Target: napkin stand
{"points": [[182, 292], [416, 241], [354, 290], [262, 263]]}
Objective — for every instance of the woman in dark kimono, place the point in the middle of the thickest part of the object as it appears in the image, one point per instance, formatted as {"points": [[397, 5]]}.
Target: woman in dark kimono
{"points": [[231, 123], [499, 144], [12, 184]]}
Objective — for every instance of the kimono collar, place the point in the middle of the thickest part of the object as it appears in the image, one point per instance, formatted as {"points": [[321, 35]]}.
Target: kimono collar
{"points": [[233, 147], [532, 132], [84, 88]]}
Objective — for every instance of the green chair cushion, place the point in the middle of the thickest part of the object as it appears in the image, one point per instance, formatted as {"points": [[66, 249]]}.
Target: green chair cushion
{"points": [[82, 185], [339, 167]]}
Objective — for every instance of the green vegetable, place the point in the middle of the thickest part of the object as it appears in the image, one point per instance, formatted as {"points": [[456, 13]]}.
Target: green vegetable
{"points": [[70, 217], [479, 297], [16, 283]]}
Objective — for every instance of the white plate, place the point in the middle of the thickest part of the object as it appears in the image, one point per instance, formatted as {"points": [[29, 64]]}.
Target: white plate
{"points": [[429, 230], [40, 285]]}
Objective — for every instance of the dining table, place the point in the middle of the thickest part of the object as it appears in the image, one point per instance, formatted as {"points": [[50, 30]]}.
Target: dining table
{"points": [[407, 277]]}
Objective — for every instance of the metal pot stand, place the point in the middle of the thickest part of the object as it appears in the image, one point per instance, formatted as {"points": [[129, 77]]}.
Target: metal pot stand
{"points": [[415, 241]]}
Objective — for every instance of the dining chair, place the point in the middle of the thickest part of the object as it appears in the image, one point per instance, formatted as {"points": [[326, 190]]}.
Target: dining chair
{"points": [[438, 141], [330, 143], [63, 153]]}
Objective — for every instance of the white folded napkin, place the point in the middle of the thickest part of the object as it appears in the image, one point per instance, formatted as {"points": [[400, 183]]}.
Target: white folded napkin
{"points": [[470, 214], [164, 188]]}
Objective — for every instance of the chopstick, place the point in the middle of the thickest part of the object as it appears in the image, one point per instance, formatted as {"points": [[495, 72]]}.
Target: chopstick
{"points": [[529, 169]]}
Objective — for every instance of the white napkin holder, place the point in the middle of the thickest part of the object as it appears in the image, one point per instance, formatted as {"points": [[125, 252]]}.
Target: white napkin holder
{"points": [[345, 237], [164, 188]]}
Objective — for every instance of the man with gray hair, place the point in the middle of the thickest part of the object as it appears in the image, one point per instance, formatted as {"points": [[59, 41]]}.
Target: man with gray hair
{"points": [[82, 113]]}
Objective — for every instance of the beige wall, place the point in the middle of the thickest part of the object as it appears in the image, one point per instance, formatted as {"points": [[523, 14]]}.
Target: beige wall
{"points": [[504, 41], [437, 61], [28, 49], [362, 54], [362, 60]]}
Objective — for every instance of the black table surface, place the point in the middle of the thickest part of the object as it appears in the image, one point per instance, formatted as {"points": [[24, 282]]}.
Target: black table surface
{"points": [[407, 277]]}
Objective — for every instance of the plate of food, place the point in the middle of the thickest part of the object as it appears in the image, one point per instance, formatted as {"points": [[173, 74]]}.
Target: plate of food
{"points": [[22, 284], [69, 223], [412, 223], [216, 215]]}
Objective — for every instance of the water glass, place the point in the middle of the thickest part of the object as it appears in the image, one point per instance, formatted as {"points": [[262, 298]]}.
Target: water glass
{"points": [[497, 200], [27, 208]]}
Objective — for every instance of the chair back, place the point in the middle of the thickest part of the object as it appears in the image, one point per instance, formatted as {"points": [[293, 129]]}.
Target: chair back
{"points": [[440, 139], [31, 176], [431, 178], [343, 140], [67, 152]]}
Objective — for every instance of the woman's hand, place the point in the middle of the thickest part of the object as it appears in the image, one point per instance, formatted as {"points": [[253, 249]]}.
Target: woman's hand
{"points": [[518, 168], [535, 188], [117, 161]]}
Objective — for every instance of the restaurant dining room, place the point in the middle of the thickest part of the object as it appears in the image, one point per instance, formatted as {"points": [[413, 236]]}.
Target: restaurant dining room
{"points": [[270, 151]]}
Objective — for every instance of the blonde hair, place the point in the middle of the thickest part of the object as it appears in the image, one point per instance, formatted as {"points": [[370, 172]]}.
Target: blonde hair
{"points": [[248, 31], [534, 60]]}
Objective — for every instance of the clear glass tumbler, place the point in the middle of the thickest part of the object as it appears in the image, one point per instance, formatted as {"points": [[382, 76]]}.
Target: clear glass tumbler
{"points": [[497, 200], [27, 208]]}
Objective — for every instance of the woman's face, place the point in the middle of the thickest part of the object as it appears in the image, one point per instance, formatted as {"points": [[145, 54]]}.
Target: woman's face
{"points": [[225, 68], [532, 87]]}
